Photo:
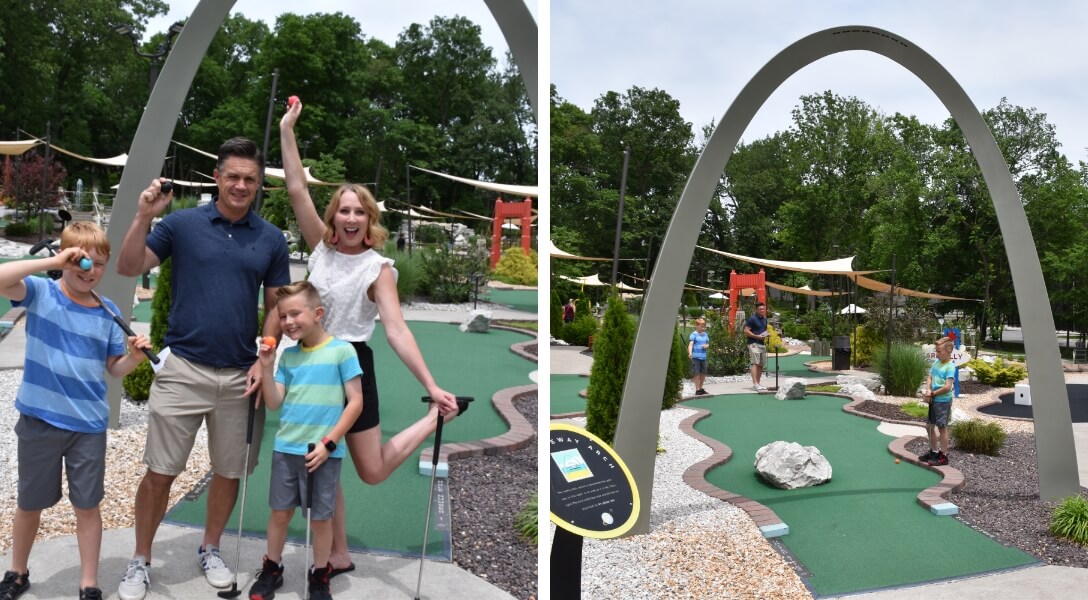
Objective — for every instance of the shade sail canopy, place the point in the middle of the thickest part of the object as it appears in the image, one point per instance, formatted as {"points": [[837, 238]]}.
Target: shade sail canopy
{"points": [[19, 147], [853, 309], [557, 253], [877, 286], [623, 287], [805, 290], [587, 280], [502, 188], [839, 266]]}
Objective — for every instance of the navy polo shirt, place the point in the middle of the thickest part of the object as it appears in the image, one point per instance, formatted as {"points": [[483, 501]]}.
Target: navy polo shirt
{"points": [[216, 275]]}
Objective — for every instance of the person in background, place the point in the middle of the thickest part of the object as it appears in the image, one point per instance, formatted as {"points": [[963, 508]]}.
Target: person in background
{"points": [[698, 343], [755, 329]]}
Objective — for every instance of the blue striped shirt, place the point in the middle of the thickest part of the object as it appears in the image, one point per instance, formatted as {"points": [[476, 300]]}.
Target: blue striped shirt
{"points": [[64, 371], [314, 378]]}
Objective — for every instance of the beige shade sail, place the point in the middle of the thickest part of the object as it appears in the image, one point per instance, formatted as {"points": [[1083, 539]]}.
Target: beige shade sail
{"points": [[502, 188], [877, 286], [839, 266], [587, 280], [17, 148], [807, 291], [557, 253]]}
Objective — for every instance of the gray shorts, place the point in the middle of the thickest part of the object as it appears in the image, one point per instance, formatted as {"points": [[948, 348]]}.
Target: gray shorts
{"points": [[42, 450], [757, 353], [287, 485], [939, 413], [184, 395], [698, 366]]}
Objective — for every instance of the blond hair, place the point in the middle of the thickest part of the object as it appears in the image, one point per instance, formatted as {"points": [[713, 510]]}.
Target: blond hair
{"points": [[376, 233], [305, 288], [85, 235], [945, 341]]}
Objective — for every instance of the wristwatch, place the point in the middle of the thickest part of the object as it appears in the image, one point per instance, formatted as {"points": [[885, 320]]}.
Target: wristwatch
{"points": [[329, 444]]}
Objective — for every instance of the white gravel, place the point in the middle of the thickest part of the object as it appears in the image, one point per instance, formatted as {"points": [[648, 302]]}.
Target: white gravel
{"points": [[698, 547]]}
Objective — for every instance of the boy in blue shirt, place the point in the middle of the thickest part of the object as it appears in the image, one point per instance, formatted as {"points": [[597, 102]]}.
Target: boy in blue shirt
{"points": [[71, 341], [304, 383], [938, 394], [698, 342]]}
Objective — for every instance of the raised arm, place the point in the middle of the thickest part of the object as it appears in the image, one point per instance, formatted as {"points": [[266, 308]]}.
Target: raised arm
{"points": [[13, 274], [309, 222], [135, 257]]}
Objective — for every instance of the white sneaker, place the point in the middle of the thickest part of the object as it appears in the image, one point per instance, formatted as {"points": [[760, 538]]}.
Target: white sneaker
{"points": [[136, 580], [215, 570], [759, 388]]}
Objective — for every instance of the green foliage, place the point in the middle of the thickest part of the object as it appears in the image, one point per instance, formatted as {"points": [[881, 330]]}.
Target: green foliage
{"points": [[530, 325], [818, 323], [978, 436], [678, 368], [137, 384], [913, 321], [448, 275], [429, 234], [866, 344], [21, 229], [555, 311], [409, 273], [728, 352], [998, 374], [903, 370], [525, 522], [797, 331], [834, 389], [611, 358], [774, 342], [1070, 519], [577, 332], [516, 267], [916, 409]]}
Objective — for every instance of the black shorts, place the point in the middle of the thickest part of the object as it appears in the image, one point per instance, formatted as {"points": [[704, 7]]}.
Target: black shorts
{"points": [[369, 418]]}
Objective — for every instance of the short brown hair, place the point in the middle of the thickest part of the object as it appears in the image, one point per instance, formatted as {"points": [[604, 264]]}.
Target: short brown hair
{"points": [[86, 235], [945, 341], [239, 147], [307, 289]]}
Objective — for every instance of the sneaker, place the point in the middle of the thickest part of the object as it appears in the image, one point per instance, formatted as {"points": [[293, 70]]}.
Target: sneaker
{"points": [[90, 593], [701, 392], [269, 579], [928, 456], [136, 580], [215, 570], [759, 388], [14, 584], [938, 461], [319, 583]]}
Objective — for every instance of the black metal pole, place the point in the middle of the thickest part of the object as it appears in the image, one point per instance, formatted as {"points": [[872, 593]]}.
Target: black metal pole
{"points": [[891, 311], [45, 179], [619, 218], [267, 134], [408, 176]]}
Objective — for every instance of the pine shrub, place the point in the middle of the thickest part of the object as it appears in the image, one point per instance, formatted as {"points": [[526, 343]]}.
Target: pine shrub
{"points": [[555, 327], [577, 332], [611, 357], [678, 368], [728, 352], [978, 437], [516, 267], [904, 370], [137, 384], [525, 522], [998, 374], [774, 342], [1070, 519], [867, 344]]}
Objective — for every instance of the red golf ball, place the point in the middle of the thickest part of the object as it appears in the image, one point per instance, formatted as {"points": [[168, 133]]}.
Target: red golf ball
{"points": [[292, 100]]}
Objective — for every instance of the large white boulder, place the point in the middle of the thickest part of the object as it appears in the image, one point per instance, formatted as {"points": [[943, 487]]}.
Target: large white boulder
{"points": [[789, 465], [858, 391], [478, 320], [870, 384], [791, 389]]}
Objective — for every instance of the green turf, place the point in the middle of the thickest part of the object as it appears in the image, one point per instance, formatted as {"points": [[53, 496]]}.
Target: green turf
{"points": [[790, 366], [523, 300], [564, 395], [388, 518], [864, 529]]}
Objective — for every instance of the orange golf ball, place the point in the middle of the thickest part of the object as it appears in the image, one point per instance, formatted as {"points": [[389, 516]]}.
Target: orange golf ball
{"points": [[269, 341], [897, 461]]}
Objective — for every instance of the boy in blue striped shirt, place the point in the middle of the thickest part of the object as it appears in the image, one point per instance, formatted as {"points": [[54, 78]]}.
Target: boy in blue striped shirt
{"points": [[319, 385], [71, 341]]}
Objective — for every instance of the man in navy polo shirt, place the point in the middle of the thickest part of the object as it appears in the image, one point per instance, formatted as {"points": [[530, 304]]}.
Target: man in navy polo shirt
{"points": [[223, 253]]}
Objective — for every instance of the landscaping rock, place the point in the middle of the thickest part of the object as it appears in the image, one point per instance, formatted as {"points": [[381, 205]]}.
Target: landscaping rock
{"points": [[792, 389], [872, 384], [789, 465], [478, 320], [857, 391]]}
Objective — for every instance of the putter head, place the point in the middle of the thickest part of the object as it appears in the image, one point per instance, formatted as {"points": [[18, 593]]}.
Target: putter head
{"points": [[462, 403], [233, 592]]}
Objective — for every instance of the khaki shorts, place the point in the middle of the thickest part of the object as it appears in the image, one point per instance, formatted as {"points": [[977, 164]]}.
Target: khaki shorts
{"points": [[184, 395], [757, 354]]}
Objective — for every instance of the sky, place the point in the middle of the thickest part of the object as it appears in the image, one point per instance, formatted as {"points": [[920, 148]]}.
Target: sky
{"points": [[703, 53], [379, 19]]}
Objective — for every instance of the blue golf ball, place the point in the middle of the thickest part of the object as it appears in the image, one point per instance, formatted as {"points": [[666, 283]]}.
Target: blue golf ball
{"points": [[85, 263]]}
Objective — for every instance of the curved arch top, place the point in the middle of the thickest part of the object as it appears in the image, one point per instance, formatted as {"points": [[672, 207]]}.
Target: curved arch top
{"points": [[639, 416]]}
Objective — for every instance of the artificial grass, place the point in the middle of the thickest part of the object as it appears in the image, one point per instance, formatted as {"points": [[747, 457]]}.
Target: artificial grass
{"points": [[564, 395], [388, 518], [523, 300], [864, 529]]}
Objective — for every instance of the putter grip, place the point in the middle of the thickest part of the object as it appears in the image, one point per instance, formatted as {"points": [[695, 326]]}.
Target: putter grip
{"points": [[154, 358], [249, 419], [310, 480], [437, 443], [459, 398]]}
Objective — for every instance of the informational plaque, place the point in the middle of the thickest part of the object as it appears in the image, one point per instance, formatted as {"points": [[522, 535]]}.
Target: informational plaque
{"points": [[592, 492]]}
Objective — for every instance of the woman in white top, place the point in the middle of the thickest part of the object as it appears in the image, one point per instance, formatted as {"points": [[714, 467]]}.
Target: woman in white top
{"points": [[357, 285]]}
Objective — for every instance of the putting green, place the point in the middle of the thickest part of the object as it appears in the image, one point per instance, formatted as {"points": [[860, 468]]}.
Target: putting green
{"points": [[564, 395], [864, 529], [388, 518], [523, 300]]}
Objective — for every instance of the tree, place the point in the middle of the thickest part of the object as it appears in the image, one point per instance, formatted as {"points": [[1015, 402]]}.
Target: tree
{"points": [[611, 358], [678, 368]]}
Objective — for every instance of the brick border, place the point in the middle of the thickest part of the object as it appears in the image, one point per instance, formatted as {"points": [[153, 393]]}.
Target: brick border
{"points": [[519, 436], [695, 476], [995, 398], [13, 316]]}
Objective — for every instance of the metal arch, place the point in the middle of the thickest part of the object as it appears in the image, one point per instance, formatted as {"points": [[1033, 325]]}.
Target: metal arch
{"points": [[636, 430], [152, 140]]}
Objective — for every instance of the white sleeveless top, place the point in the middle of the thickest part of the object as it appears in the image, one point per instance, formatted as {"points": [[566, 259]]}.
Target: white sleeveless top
{"points": [[343, 280]]}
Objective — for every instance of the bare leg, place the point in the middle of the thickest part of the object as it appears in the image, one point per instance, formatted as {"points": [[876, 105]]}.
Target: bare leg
{"points": [[322, 541], [338, 549], [222, 493], [89, 539], [931, 431], [152, 497], [944, 439], [277, 533], [23, 533]]}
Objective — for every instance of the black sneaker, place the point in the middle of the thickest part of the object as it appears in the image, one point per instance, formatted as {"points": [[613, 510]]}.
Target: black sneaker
{"points": [[14, 584], [701, 392], [319, 583], [90, 593], [938, 461], [928, 456], [269, 579]]}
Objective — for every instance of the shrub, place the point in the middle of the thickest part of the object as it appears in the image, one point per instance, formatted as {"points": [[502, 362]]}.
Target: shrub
{"points": [[1070, 519], [525, 522], [866, 344], [429, 234], [774, 342], [21, 229], [678, 368], [555, 327], [916, 409], [978, 436], [728, 352], [997, 374], [904, 370], [797, 331], [137, 384], [448, 275], [577, 332], [516, 267], [611, 358], [409, 273]]}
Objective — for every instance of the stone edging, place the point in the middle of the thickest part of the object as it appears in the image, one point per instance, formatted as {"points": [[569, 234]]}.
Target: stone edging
{"points": [[995, 398], [695, 476], [13, 316], [932, 497], [519, 436]]}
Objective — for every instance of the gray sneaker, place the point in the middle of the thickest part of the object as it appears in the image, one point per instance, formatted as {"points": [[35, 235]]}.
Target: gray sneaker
{"points": [[215, 570], [136, 580]]}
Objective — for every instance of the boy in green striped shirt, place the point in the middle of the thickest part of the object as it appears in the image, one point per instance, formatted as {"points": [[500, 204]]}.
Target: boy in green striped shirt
{"points": [[318, 384]]}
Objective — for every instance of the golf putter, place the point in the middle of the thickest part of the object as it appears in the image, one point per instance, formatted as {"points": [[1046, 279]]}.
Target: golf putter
{"points": [[462, 406], [309, 514], [154, 358], [234, 592]]}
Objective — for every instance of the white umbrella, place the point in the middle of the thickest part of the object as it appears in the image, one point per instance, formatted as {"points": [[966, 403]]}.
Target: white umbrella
{"points": [[853, 309], [718, 296]]}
